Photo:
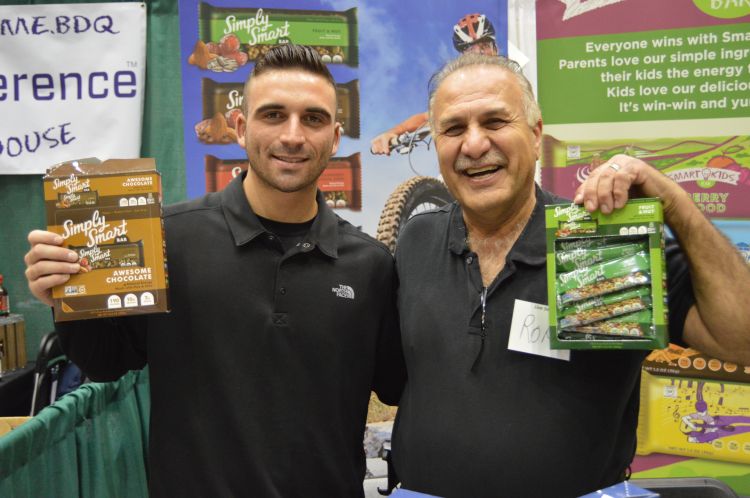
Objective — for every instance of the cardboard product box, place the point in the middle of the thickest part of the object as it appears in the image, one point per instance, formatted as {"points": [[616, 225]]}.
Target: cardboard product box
{"points": [[12, 342], [606, 277], [694, 418], [7, 424], [676, 361], [110, 214]]}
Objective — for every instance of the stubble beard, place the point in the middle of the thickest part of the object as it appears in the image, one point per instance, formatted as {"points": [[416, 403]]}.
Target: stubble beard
{"points": [[277, 182]]}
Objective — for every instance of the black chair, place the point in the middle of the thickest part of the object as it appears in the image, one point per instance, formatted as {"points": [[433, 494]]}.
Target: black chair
{"points": [[49, 363], [686, 487]]}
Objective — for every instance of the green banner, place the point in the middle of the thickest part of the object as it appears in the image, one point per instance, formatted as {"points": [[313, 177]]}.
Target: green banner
{"points": [[693, 73]]}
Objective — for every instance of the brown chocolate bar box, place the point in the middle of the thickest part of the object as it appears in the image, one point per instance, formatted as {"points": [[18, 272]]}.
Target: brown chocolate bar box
{"points": [[110, 214]]}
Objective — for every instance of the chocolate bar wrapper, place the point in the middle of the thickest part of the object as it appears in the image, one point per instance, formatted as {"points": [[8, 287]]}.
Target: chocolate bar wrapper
{"points": [[694, 418], [340, 182], [603, 278], [607, 311], [222, 102], [584, 257], [333, 34], [636, 324]]}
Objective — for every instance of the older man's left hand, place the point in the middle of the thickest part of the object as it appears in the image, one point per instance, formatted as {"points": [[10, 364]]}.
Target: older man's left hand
{"points": [[610, 185]]}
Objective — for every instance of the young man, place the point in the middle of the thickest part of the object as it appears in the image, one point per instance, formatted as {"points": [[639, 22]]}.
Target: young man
{"points": [[477, 418], [283, 315], [473, 33]]}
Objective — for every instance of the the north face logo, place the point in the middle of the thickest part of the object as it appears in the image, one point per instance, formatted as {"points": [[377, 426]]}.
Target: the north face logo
{"points": [[343, 291]]}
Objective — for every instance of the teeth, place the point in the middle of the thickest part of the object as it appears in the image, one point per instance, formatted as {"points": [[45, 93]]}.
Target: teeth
{"points": [[476, 171], [291, 159]]}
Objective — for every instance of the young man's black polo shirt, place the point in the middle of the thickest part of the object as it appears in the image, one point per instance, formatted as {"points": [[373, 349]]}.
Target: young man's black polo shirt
{"points": [[487, 421], [262, 371]]}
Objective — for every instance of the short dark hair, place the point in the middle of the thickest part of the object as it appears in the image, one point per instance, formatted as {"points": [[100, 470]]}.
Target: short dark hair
{"points": [[289, 56]]}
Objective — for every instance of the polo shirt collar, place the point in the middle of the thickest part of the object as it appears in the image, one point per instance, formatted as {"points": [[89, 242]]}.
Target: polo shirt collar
{"points": [[530, 248], [245, 225]]}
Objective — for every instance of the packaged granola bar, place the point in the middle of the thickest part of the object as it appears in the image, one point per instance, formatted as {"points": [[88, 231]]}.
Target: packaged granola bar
{"points": [[606, 307], [701, 418], [636, 324], [606, 277], [603, 278], [585, 257]]}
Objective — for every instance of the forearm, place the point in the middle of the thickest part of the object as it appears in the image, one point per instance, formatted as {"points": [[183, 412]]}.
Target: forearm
{"points": [[104, 349], [719, 324], [410, 124]]}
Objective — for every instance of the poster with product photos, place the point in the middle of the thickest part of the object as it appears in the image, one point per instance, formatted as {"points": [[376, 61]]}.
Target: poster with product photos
{"points": [[381, 55]]}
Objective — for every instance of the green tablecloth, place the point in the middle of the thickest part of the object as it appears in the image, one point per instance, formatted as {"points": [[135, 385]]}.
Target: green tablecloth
{"points": [[91, 444]]}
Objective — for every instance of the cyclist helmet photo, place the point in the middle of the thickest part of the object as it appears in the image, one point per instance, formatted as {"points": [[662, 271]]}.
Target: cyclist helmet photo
{"points": [[475, 33]]}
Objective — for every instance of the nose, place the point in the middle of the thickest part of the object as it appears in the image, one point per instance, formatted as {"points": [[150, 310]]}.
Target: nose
{"points": [[292, 134], [475, 143]]}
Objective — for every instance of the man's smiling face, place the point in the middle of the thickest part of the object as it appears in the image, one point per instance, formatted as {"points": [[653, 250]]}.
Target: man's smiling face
{"points": [[289, 132], [486, 148]]}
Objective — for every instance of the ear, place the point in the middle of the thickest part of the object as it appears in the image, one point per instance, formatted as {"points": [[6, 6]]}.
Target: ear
{"points": [[336, 138], [241, 127], [537, 130]]}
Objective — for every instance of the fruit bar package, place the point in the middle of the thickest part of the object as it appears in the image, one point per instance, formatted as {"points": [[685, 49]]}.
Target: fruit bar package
{"points": [[110, 214], [606, 277], [222, 104], [230, 37], [605, 307], [677, 361], [694, 418], [341, 181]]}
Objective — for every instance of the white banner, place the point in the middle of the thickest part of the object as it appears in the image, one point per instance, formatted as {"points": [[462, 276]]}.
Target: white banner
{"points": [[72, 81]]}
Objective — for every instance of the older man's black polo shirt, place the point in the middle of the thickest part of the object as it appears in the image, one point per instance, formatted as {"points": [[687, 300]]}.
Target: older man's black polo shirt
{"points": [[488, 421], [262, 371]]}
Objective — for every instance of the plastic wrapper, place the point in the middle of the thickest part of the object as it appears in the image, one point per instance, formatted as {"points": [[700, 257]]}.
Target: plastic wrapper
{"points": [[606, 307], [636, 324], [584, 257], [694, 418], [603, 278]]}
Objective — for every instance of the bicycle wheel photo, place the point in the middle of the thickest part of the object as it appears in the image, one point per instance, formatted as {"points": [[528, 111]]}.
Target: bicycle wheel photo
{"points": [[414, 196]]}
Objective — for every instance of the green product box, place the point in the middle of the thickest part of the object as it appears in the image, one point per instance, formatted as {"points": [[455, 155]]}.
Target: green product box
{"points": [[614, 274]]}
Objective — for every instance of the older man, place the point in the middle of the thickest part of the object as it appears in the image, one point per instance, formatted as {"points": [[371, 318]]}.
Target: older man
{"points": [[477, 418], [283, 314]]}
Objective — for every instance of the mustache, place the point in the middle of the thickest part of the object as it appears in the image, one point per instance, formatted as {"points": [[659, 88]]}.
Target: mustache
{"points": [[490, 157]]}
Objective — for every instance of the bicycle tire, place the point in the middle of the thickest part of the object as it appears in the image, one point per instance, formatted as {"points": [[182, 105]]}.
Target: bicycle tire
{"points": [[416, 195]]}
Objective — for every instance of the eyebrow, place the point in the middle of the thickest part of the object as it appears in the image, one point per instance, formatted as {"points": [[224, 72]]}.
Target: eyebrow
{"points": [[279, 107], [499, 111]]}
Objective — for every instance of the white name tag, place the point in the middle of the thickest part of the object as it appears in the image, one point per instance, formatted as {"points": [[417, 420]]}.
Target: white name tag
{"points": [[529, 331]]}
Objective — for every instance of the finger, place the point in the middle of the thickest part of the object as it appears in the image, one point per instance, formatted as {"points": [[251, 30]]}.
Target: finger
{"points": [[621, 189], [42, 252], [44, 237], [604, 195], [578, 197], [42, 287], [384, 146], [588, 192], [45, 268]]}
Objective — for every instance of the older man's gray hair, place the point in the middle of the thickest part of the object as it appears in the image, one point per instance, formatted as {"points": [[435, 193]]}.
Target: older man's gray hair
{"points": [[530, 106]]}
